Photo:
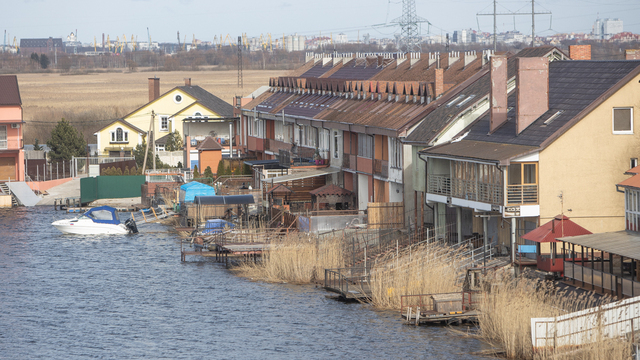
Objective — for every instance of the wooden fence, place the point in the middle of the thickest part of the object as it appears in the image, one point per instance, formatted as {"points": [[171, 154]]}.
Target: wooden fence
{"points": [[385, 215]]}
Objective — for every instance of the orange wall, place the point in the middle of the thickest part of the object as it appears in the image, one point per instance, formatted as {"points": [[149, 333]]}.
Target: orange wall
{"points": [[348, 181], [365, 165], [11, 113], [18, 157], [209, 158], [46, 185]]}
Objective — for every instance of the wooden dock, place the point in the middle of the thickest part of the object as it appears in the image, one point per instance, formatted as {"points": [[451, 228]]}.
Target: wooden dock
{"points": [[443, 308], [433, 317], [222, 253]]}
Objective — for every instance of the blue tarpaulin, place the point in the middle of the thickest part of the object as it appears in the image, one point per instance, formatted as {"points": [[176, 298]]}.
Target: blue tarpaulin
{"points": [[215, 226], [190, 190]]}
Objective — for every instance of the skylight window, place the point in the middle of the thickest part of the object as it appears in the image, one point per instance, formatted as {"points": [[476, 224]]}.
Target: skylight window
{"points": [[454, 101], [553, 117], [466, 100]]}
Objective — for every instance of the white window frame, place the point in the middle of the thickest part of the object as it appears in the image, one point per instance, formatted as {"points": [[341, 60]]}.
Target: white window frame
{"points": [[632, 209], [622, 132], [114, 136], [4, 141], [336, 144], [395, 153], [164, 123]]}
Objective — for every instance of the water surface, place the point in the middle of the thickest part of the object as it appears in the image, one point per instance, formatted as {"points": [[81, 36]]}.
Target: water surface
{"points": [[130, 297]]}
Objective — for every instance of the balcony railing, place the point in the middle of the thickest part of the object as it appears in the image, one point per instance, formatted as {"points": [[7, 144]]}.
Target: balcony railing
{"points": [[277, 145], [11, 144], [300, 156], [522, 194], [381, 168], [465, 189]]}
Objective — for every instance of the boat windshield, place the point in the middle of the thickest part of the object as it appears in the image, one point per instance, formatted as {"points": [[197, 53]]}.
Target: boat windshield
{"points": [[102, 215]]}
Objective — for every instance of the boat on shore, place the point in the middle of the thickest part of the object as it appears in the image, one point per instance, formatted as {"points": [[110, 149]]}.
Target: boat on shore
{"points": [[99, 220]]}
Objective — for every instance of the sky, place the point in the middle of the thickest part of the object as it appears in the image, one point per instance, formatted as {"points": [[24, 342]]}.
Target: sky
{"points": [[206, 19]]}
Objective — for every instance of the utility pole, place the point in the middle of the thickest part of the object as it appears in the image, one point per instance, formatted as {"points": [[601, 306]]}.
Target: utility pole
{"points": [[533, 21], [153, 123], [146, 150], [240, 80]]}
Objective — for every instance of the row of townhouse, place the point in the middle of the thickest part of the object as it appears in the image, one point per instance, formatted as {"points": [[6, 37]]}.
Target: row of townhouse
{"points": [[554, 137], [350, 114]]}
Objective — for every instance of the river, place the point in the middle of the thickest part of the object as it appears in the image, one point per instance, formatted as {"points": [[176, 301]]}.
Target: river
{"points": [[130, 297]]}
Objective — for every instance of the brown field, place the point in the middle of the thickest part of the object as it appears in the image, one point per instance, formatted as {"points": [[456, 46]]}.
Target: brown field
{"points": [[90, 101]]}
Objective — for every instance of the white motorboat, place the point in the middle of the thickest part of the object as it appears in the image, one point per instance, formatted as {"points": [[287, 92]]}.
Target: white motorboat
{"points": [[99, 220]]}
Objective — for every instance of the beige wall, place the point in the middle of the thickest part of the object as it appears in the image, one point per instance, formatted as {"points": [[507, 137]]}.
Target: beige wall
{"points": [[162, 106], [104, 140], [587, 162]]}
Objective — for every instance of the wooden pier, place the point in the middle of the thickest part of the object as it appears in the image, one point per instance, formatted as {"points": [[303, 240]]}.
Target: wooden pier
{"points": [[444, 308], [222, 253]]}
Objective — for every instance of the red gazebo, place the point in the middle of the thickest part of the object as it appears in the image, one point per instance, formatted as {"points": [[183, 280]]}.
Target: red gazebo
{"points": [[560, 226]]}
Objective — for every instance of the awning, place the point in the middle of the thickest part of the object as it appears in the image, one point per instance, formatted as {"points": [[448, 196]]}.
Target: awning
{"points": [[559, 227], [303, 175], [623, 243], [224, 200]]}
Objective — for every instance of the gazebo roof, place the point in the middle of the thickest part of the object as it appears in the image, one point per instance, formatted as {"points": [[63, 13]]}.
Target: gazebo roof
{"points": [[560, 226], [280, 189], [330, 189]]}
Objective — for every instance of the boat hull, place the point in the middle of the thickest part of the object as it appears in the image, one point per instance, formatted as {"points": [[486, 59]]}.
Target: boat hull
{"points": [[88, 227]]}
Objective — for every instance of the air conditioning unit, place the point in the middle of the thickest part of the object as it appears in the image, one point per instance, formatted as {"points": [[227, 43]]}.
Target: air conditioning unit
{"points": [[15, 126]]}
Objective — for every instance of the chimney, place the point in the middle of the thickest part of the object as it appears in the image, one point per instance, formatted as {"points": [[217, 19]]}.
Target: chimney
{"points": [[187, 81], [580, 52], [532, 95], [498, 73], [154, 88], [632, 54], [469, 56], [439, 84]]}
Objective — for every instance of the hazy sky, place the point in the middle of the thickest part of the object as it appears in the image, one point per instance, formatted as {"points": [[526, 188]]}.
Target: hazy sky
{"points": [[206, 19]]}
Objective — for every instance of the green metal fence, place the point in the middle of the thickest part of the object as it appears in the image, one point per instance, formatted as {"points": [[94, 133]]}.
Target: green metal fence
{"points": [[110, 187]]}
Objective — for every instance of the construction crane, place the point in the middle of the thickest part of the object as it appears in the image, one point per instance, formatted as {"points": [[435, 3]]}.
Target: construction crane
{"points": [[124, 43], [108, 44], [134, 43], [15, 44], [148, 35], [95, 47], [194, 45]]}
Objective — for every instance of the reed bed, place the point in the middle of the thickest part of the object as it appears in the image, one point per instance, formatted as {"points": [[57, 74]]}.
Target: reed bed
{"points": [[506, 312], [421, 269], [296, 258]]}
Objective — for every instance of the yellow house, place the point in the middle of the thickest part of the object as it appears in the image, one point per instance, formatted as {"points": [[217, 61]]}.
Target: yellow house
{"points": [[119, 138], [558, 144], [170, 109]]}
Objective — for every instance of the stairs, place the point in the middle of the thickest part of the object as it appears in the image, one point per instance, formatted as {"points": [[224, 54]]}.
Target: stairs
{"points": [[5, 189]]}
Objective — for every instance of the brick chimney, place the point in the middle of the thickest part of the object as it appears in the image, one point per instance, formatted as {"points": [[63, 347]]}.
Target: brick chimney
{"points": [[632, 54], [532, 95], [580, 52], [439, 84], [498, 73], [154, 88], [187, 81]]}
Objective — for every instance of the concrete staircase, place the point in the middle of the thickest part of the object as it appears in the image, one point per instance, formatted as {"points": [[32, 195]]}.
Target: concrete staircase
{"points": [[5, 189]]}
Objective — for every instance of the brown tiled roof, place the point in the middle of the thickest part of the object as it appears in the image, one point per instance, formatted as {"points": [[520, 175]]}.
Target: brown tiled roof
{"points": [[209, 144], [633, 182], [480, 150], [9, 91], [330, 189], [302, 69]]}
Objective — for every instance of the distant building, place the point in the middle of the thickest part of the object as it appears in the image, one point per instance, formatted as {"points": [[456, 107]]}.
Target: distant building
{"points": [[41, 46], [605, 29], [341, 38], [295, 42], [72, 44], [464, 36]]}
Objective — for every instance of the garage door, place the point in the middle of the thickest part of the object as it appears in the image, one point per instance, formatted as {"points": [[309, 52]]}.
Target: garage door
{"points": [[7, 169]]}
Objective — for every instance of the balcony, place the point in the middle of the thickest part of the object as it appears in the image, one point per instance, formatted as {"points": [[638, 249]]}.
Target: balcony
{"points": [[11, 144], [522, 194], [276, 145], [300, 156], [381, 168], [465, 189]]}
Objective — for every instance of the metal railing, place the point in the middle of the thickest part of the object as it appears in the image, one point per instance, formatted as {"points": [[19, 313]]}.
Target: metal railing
{"points": [[522, 194], [339, 280], [381, 168], [465, 189], [469, 301]]}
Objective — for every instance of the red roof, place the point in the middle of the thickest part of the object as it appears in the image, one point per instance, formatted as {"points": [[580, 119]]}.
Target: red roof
{"points": [[633, 181], [634, 171], [209, 144], [330, 189], [9, 91], [559, 227]]}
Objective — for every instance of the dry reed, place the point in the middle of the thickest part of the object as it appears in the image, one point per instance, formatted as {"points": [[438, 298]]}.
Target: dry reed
{"points": [[506, 312], [296, 258], [421, 269]]}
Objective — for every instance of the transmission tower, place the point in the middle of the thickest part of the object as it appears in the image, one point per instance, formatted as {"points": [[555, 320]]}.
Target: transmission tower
{"points": [[240, 82], [410, 25]]}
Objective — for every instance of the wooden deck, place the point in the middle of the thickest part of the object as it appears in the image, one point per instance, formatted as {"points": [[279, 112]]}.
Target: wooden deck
{"points": [[222, 253], [431, 317]]}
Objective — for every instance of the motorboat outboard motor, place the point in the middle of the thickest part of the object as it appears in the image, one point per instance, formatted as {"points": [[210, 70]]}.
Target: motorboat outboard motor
{"points": [[131, 225]]}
